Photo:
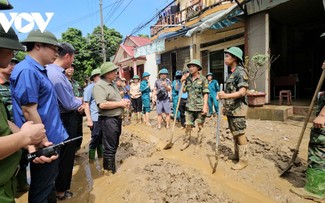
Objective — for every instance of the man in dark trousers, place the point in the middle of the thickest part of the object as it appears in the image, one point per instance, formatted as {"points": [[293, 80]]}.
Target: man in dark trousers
{"points": [[68, 104], [111, 107], [34, 99]]}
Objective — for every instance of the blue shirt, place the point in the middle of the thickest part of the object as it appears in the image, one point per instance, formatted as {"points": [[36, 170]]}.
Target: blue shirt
{"points": [[63, 89], [213, 87], [30, 85], [88, 98], [144, 89], [175, 90]]}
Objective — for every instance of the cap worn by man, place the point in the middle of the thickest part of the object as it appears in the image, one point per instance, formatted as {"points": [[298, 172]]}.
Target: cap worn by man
{"points": [[107, 67], [145, 74], [9, 40], [163, 71], [235, 51], [195, 62], [5, 5], [94, 73], [41, 37]]}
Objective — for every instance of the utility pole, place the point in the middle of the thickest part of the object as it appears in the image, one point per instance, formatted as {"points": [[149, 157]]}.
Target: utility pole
{"points": [[102, 29]]}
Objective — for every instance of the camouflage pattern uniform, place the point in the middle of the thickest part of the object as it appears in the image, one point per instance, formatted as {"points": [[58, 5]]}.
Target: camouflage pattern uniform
{"points": [[236, 109], [5, 93], [78, 92], [315, 177], [194, 106]]}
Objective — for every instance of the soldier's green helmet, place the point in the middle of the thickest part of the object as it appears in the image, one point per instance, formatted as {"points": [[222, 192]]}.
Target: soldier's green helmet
{"points": [[209, 74], [95, 72], [107, 67], [9, 40], [5, 5], [235, 51], [136, 77], [163, 71], [41, 37], [145, 74], [195, 62]]}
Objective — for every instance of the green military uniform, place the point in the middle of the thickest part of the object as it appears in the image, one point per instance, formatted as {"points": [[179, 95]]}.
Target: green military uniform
{"points": [[8, 166], [5, 93], [194, 106], [77, 89], [315, 178], [236, 109], [78, 92]]}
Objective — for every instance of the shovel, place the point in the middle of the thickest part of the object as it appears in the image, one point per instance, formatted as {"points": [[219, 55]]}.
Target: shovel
{"points": [[170, 143], [295, 154], [217, 134]]}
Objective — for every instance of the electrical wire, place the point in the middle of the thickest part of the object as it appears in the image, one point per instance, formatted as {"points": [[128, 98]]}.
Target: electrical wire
{"points": [[121, 12]]}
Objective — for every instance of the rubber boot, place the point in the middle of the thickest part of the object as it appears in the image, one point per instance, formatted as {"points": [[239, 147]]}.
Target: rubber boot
{"points": [[91, 154], [186, 140], [235, 156], [100, 151], [243, 158], [107, 165]]}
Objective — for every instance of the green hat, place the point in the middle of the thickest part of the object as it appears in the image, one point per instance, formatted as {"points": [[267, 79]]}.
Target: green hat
{"points": [[163, 71], [195, 62], [5, 5], [42, 37], [95, 72], [209, 74], [107, 67], [236, 52], [145, 74], [9, 40], [136, 77], [322, 35]]}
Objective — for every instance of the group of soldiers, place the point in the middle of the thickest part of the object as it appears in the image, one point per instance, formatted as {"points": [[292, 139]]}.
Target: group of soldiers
{"points": [[45, 108]]}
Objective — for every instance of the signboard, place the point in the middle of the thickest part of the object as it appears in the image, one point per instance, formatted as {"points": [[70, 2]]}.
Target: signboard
{"points": [[154, 47], [255, 6]]}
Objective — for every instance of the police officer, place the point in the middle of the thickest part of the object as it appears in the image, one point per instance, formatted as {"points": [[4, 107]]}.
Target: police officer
{"points": [[145, 95], [213, 88], [235, 104], [111, 107], [196, 85], [176, 85], [315, 175]]}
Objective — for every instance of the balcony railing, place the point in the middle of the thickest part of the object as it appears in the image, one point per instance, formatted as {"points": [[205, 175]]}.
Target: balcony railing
{"points": [[167, 19]]}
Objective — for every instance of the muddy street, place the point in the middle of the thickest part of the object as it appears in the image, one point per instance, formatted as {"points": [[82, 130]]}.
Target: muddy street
{"points": [[147, 173]]}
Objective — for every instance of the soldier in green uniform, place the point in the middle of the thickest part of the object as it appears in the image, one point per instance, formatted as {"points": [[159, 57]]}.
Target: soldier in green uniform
{"points": [[315, 175], [78, 92], [235, 104], [111, 106], [197, 102], [29, 133]]}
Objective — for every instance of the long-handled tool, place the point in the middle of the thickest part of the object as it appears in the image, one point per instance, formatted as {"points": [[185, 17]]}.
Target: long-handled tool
{"points": [[217, 133], [170, 143], [311, 106]]}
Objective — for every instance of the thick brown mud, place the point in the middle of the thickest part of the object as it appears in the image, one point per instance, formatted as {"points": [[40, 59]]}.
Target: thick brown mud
{"points": [[147, 173]]}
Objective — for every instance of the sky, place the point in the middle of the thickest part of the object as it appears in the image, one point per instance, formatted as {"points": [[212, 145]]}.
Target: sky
{"points": [[122, 15]]}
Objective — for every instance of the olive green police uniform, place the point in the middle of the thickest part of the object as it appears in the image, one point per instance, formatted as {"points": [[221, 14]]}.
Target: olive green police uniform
{"points": [[9, 165], [236, 109]]}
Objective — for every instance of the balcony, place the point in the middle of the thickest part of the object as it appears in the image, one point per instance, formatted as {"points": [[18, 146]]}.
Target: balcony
{"points": [[172, 16]]}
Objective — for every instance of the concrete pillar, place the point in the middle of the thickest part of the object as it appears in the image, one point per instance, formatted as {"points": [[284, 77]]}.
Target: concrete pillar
{"points": [[120, 72], [135, 69]]}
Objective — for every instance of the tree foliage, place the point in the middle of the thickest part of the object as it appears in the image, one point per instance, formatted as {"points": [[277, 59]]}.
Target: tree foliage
{"points": [[89, 49]]}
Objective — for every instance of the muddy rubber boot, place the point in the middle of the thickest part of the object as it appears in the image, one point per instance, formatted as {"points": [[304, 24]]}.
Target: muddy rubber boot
{"points": [[235, 156], [243, 158], [107, 165], [199, 136], [100, 151], [186, 140], [315, 186], [91, 155]]}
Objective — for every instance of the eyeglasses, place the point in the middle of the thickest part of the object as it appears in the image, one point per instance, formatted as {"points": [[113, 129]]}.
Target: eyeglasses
{"points": [[50, 46]]}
